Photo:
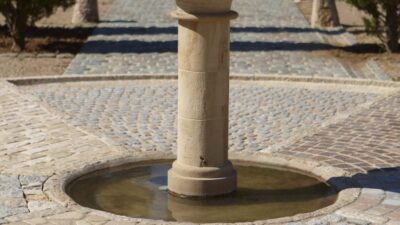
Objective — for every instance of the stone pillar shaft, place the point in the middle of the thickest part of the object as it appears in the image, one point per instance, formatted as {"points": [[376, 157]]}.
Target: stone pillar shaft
{"points": [[202, 167], [203, 93]]}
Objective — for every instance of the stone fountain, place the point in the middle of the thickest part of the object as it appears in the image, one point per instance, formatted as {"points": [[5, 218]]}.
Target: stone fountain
{"points": [[202, 167], [203, 186]]}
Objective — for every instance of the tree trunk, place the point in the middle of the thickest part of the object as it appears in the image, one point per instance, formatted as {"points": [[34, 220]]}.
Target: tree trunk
{"points": [[315, 13], [85, 11], [18, 32], [16, 19], [392, 29], [334, 15], [324, 14]]}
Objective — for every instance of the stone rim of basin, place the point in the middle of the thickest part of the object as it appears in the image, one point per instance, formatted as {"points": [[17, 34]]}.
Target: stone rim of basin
{"points": [[347, 189]]}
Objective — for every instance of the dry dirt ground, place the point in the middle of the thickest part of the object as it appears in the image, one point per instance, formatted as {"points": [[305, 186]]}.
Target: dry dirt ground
{"points": [[367, 48], [55, 34]]}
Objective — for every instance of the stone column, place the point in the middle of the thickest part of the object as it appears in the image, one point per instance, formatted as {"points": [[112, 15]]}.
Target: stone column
{"points": [[202, 167]]}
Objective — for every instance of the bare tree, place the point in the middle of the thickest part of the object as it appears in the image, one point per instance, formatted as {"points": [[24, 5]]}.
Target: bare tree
{"points": [[85, 11], [324, 14]]}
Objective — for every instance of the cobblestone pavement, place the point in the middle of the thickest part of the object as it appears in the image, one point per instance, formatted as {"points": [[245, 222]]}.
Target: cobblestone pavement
{"points": [[138, 115], [32, 144], [269, 37], [51, 129], [368, 145]]}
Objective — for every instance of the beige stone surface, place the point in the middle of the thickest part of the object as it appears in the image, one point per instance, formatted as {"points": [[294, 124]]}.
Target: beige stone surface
{"points": [[202, 167]]}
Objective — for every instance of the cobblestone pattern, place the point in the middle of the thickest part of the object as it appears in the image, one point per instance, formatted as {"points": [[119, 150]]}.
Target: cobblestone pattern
{"points": [[33, 141], [270, 37], [22, 201], [366, 141], [366, 144], [142, 116], [34, 145]]}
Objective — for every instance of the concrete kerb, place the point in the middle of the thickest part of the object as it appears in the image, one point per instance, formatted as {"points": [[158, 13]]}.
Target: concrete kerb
{"points": [[56, 186], [240, 77], [37, 55]]}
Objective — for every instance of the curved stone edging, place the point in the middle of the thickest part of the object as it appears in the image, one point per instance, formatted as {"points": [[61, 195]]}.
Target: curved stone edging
{"points": [[29, 55], [55, 187], [246, 77]]}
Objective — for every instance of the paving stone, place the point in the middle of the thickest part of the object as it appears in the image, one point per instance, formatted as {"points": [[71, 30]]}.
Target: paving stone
{"points": [[7, 211], [36, 221], [17, 223], [61, 222], [392, 202], [41, 205], [95, 219], [10, 187], [32, 181], [68, 215], [395, 222], [318, 222], [12, 202], [82, 222], [332, 218], [119, 223], [30, 191], [358, 222]]}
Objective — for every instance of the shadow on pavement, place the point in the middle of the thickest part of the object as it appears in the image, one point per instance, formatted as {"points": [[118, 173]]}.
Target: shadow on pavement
{"points": [[77, 35], [173, 30], [135, 46], [386, 179]]}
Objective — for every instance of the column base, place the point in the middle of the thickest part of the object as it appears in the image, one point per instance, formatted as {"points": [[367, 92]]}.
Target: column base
{"points": [[189, 181]]}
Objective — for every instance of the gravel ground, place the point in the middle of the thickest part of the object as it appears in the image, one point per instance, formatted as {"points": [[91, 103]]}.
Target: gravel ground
{"points": [[64, 17], [15, 67], [11, 66]]}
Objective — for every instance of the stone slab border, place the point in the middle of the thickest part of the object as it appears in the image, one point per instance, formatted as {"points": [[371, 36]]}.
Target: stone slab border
{"points": [[33, 80], [55, 187], [27, 55], [230, 15]]}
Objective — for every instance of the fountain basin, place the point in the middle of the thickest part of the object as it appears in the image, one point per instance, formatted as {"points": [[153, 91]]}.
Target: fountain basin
{"points": [[140, 191]]}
